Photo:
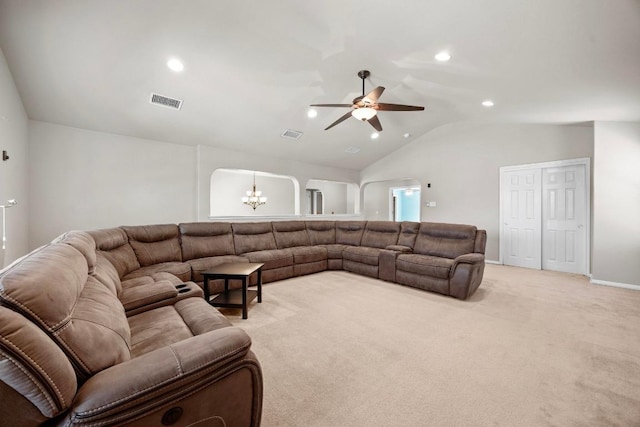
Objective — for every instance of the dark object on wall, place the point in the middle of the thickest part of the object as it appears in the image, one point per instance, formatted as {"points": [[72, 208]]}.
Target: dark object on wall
{"points": [[5, 156]]}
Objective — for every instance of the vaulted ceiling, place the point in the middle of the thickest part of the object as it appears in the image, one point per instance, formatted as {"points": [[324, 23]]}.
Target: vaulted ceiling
{"points": [[251, 68]]}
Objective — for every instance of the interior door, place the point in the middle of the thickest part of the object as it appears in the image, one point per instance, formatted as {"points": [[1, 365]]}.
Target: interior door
{"points": [[521, 215], [564, 214]]}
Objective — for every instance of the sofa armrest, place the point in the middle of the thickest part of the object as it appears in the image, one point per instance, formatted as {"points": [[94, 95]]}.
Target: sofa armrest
{"points": [[399, 248], [466, 275], [147, 294], [473, 258], [202, 376]]}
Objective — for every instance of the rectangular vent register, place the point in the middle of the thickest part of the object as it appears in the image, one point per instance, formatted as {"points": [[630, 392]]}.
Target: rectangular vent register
{"points": [[165, 101]]}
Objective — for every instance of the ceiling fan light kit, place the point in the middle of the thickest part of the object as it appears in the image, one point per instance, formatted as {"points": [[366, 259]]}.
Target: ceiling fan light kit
{"points": [[366, 107]]}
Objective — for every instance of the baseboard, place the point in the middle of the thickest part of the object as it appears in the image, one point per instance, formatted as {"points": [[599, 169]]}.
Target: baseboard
{"points": [[615, 284], [490, 261]]}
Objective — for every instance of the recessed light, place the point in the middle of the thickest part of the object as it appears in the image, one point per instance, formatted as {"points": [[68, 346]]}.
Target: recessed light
{"points": [[406, 135], [443, 57], [375, 135], [312, 113], [175, 65], [487, 103]]}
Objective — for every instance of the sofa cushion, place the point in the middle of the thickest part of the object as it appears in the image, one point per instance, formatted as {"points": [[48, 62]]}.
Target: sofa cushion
{"points": [[84, 243], [107, 274], [145, 292], [33, 365], [408, 233], [206, 239], [306, 254], [167, 325], [334, 251], [445, 240], [252, 237], [200, 265], [380, 234], [52, 288], [362, 254], [349, 232], [321, 232], [425, 265], [155, 244], [113, 243], [277, 258], [181, 270], [290, 233]]}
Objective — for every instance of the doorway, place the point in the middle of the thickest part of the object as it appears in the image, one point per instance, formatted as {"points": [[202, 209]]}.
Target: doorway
{"points": [[405, 204], [544, 215]]}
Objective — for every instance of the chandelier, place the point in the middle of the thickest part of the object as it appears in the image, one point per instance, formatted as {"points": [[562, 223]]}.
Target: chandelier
{"points": [[254, 198]]}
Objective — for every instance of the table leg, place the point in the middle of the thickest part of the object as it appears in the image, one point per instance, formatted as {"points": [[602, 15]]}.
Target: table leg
{"points": [[206, 288], [260, 285], [244, 297], [226, 285]]}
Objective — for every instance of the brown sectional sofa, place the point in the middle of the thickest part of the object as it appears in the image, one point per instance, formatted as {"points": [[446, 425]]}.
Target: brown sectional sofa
{"points": [[109, 326]]}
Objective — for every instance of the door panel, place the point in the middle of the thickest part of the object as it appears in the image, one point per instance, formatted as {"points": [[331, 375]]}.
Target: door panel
{"points": [[522, 218], [564, 214]]}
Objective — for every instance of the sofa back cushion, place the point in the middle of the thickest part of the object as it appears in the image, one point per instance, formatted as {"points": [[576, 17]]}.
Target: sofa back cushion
{"points": [[206, 239], [380, 234], [290, 233], [82, 241], [321, 232], [445, 240], [52, 288], [113, 243], [481, 241], [155, 244], [349, 232], [36, 368], [408, 233], [252, 237]]}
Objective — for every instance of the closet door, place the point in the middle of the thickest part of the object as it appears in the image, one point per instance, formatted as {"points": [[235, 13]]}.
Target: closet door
{"points": [[521, 215], [564, 214]]}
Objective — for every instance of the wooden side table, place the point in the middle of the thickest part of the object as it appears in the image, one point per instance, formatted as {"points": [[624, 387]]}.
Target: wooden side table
{"points": [[239, 298]]}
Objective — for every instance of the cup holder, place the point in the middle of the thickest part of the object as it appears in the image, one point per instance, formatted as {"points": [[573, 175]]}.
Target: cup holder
{"points": [[181, 286], [183, 290]]}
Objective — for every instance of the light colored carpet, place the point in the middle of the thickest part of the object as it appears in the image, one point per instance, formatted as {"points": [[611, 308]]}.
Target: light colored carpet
{"points": [[530, 348]]}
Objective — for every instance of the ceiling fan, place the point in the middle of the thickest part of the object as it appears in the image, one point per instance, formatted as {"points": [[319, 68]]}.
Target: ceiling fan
{"points": [[366, 108]]}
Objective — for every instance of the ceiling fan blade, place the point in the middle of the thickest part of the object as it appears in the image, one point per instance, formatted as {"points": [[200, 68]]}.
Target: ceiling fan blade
{"points": [[373, 96], [331, 105], [398, 107], [340, 120], [375, 122]]}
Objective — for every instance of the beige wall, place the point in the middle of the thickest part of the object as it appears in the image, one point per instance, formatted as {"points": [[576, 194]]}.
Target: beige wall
{"points": [[462, 162], [616, 220], [13, 172]]}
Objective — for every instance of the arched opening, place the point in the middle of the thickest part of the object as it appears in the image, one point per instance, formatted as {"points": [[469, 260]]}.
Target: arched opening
{"points": [[325, 197], [229, 186]]}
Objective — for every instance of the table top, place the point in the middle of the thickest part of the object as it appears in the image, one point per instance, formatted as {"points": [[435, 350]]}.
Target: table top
{"points": [[233, 269]]}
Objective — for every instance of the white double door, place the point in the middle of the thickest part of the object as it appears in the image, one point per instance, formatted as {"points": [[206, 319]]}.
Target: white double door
{"points": [[545, 216]]}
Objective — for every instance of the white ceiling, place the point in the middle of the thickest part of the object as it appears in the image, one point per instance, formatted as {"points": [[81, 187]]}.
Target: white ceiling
{"points": [[253, 67]]}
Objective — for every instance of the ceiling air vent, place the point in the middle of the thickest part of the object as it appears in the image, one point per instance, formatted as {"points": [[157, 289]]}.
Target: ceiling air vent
{"points": [[351, 150], [290, 133], [165, 101]]}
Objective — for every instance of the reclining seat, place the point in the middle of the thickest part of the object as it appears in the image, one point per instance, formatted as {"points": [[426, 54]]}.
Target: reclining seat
{"points": [[206, 245], [157, 249], [70, 356], [445, 259], [293, 235], [364, 259], [348, 233], [255, 241], [323, 234], [115, 259]]}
